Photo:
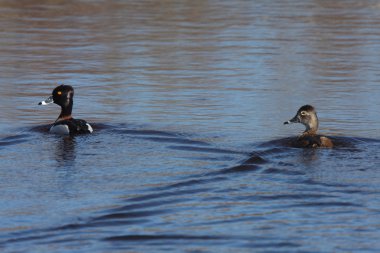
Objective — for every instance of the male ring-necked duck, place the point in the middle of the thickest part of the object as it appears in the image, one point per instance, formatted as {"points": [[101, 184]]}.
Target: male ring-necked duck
{"points": [[65, 124], [307, 116]]}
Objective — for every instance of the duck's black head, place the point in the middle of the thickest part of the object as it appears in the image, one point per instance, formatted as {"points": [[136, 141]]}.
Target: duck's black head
{"points": [[307, 116], [63, 96]]}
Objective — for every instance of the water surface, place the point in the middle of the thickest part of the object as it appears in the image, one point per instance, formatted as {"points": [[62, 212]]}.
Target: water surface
{"points": [[187, 101]]}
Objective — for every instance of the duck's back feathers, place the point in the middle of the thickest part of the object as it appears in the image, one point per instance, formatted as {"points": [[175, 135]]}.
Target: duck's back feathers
{"points": [[312, 141]]}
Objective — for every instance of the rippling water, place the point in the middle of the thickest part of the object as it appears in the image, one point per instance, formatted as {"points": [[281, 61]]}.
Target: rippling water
{"points": [[187, 100]]}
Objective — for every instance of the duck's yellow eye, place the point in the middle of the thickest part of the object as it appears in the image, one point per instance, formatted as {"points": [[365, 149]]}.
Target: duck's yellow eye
{"points": [[59, 92], [303, 113]]}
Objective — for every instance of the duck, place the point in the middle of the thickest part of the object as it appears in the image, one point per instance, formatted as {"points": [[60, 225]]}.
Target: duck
{"points": [[307, 116], [65, 124]]}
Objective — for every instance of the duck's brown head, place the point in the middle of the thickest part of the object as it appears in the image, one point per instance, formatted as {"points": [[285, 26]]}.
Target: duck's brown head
{"points": [[307, 116]]}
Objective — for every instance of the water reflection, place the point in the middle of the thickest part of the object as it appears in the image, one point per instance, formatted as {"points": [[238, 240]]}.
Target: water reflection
{"points": [[64, 151]]}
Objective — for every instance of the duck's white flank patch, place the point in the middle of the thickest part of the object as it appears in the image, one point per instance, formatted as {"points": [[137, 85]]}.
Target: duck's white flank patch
{"points": [[60, 129], [89, 128]]}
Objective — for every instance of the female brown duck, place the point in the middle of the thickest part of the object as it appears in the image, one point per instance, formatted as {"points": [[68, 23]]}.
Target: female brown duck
{"points": [[307, 116]]}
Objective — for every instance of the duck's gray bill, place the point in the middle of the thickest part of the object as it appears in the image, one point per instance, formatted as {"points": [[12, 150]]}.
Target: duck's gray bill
{"points": [[49, 100], [293, 120]]}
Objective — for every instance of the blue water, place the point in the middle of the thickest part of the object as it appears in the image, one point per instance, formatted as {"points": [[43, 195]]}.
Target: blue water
{"points": [[187, 101]]}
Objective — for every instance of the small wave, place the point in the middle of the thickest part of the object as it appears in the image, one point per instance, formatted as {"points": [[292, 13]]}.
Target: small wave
{"points": [[145, 132], [13, 139], [203, 149], [283, 172], [176, 140], [241, 168], [128, 215], [325, 204], [162, 238]]}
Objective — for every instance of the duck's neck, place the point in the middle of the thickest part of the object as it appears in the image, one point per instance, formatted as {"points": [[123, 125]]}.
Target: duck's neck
{"points": [[312, 127], [66, 112]]}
